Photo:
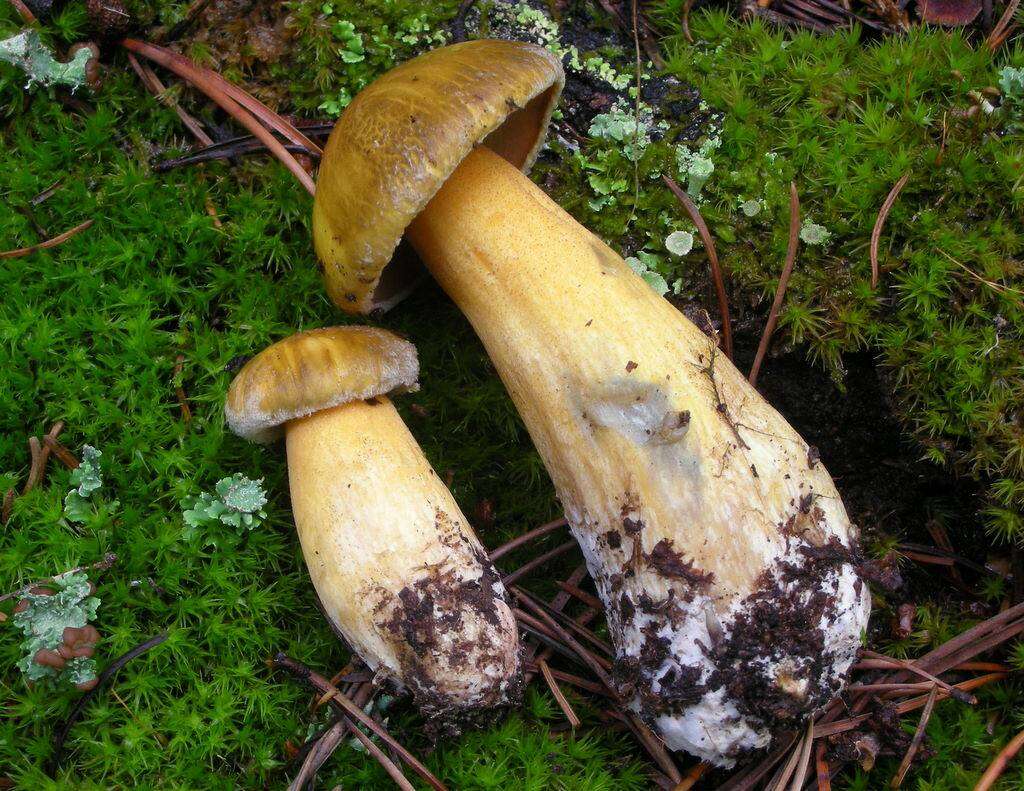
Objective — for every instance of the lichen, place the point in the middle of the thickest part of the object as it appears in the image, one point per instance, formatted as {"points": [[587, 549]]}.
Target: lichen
{"points": [[43, 618]]}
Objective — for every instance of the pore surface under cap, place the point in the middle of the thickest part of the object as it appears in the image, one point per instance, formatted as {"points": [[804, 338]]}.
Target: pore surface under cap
{"points": [[316, 370], [400, 139]]}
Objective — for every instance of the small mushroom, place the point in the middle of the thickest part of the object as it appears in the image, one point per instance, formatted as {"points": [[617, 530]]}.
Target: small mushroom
{"points": [[398, 570], [725, 560]]}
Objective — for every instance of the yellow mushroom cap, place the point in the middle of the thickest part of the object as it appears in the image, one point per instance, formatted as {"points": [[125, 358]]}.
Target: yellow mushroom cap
{"points": [[400, 139], [316, 370]]}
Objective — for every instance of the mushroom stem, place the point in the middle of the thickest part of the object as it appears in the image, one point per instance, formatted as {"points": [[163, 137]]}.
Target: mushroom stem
{"points": [[718, 544], [374, 519]]}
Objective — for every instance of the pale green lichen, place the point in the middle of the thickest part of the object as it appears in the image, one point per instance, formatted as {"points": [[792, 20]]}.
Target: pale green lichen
{"points": [[85, 479], [679, 242], [643, 264], [26, 51], [696, 166], [238, 502], [814, 234], [751, 208], [629, 126], [43, 623], [545, 31]]}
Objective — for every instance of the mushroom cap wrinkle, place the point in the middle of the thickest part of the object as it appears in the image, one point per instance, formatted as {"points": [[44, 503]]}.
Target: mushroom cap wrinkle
{"points": [[403, 136], [316, 370]]}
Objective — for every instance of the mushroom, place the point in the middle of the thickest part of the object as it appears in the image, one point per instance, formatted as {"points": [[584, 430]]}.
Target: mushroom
{"points": [[398, 570], [718, 544]]}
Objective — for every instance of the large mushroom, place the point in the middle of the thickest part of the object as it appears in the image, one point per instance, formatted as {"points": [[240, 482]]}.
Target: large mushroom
{"points": [[718, 543], [397, 568]]}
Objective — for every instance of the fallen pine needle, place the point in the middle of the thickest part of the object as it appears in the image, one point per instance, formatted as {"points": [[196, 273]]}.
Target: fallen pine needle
{"points": [[998, 766], [780, 291], [915, 743], [876, 232], [563, 702], [716, 270], [56, 240]]}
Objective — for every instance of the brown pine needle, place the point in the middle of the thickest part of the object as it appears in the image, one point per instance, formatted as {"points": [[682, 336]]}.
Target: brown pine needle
{"points": [[527, 537], [563, 703], [537, 562], [998, 766], [56, 240], [915, 743], [691, 778], [823, 774], [157, 88], [716, 270], [780, 291], [229, 98], [25, 13], [1003, 27], [58, 449], [282, 661], [876, 232]]}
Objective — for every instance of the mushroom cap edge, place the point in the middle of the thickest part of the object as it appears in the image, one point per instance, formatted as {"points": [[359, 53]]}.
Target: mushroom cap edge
{"points": [[400, 139], [316, 370]]}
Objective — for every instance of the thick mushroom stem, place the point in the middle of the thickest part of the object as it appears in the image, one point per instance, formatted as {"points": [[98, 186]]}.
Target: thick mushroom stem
{"points": [[717, 542], [397, 568]]}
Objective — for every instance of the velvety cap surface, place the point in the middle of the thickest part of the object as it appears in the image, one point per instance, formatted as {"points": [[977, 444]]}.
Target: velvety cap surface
{"points": [[403, 135], [315, 370]]}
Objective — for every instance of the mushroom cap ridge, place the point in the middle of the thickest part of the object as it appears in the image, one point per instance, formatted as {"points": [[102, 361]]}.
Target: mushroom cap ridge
{"points": [[400, 139], [316, 370]]}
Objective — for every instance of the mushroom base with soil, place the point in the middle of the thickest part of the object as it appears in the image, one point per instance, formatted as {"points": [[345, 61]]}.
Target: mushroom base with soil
{"points": [[445, 634], [719, 545]]}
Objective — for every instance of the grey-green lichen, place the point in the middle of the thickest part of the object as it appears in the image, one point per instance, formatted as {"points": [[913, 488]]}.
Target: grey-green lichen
{"points": [[85, 479], [43, 621], [26, 51], [238, 502]]}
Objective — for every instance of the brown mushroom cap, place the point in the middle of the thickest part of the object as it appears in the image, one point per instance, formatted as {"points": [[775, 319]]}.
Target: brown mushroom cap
{"points": [[316, 370], [400, 139]]}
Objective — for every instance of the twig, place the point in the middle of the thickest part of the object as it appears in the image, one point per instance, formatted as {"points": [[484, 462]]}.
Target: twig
{"points": [[108, 560], [179, 391], [108, 673], [56, 240], [709, 245], [915, 743], [691, 778], [687, 6], [540, 560], [527, 537], [282, 661], [40, 455], [876, 232], [1003, 27], [780, 290], [805, 759], [5, 511], [910, 666], [155, 87], [822, 773], [563, 703], [229, 98], [998, 766], [389, 766], [591, 601], [237, 146], [66, 457], [25, 13], [47, 193]]}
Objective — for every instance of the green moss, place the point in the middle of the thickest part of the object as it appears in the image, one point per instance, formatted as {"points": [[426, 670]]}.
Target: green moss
{"points": [[91, 330]]}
